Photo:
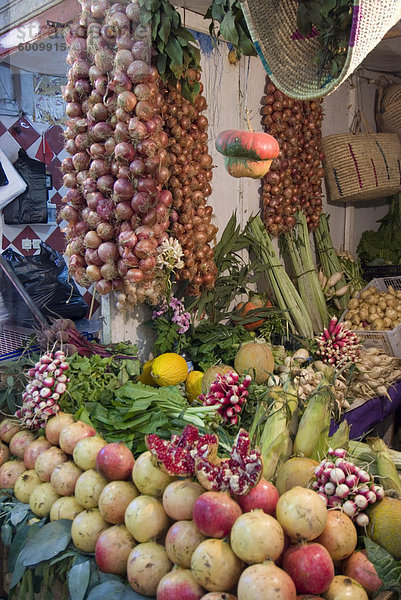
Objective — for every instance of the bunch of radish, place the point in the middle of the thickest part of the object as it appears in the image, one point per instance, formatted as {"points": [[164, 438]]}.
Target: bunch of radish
{"points": [[229, 392], [344, 485], [294, 180], [47, 383]]}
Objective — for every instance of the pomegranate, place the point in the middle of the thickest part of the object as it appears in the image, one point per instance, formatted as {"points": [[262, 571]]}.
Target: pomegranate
{"points": [[179, 583], [9, 473], [42, 498], [181, 540], [33, 450], [64, 478], [70, 435], [65, 507], [339, 537], [88, 488], [215, 566], [179, 498], [264, 495], [8, 428], [86, 451], [4, 453], [301, 513], [55, 425], [25, 485], [256, 537], [48, 461], [358, 567], [115, 462], [114, 500], [149, 480], [310, 566], [145, 518], [113, 547], [86, 528], [265, 582], [20, 441], [215, 513], [345, 588], [146, 565]]}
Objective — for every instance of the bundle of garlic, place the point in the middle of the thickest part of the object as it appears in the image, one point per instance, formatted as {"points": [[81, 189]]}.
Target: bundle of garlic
{"points": [[376, 372]]}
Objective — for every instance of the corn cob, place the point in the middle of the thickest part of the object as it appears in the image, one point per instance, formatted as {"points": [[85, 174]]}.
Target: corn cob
{"points": [[320, 450], [272, 454], [363, 453], [385, 466], [313, 420]]}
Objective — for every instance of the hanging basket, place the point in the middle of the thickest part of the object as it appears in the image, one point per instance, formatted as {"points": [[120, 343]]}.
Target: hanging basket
{"points": [[288, 57], [388, 112]]}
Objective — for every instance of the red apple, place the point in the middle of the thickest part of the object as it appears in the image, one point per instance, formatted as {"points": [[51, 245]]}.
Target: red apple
{"points": [[115, 462]]}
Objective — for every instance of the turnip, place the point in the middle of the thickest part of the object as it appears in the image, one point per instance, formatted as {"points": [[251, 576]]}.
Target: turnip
{"points": [[256, 536], [358, 567], [65, 507], [114, 500], [34, 450], [88, 488], [146, 565], [64, 478], [4, 453], [86, 451], [48, 460], [310, 567], [181, 540], [215, 566], [345, 588], [179, 498], [265, 582], [42, 498], [179, 583], [86, 528], [339, 537], [112, 549], [264, 495], [8, 428], [302, 513], [115, 462], [214, 513], [146, 519], [55, 425], [20, 441], [149, 480], [25, 485], [70, 435], [9, 473]]}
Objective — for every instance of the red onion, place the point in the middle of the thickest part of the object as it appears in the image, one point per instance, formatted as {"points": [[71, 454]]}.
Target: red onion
{"points": [[83, 87], [134, 275], [107, 34], [103, 287], [90, 185], [124, 41], [76, 260], [92, 257], [76, 246], [133, 11], [105, 208], [99, 8], [82, 141], [99, 167], [123, 190], [120, 82], [101, 131], [69, 213], [129, 258], [123, 59], [109, 146], [93, 273], [119, 20], [144, 110], [97, 150], [80, 68], [121, 132], [107, 251], [150, 217], [99, 111], [67, 166], [123, 211], [81, 228], [137, 167], [109, 270], [138, 71], [123, 172], [118, 284], [148, 263], [81, 161], [146, 184], [127, 101], [142, 202], [105, 184], [143, 32], [124, 152], [94, 73], [137, 129], [127, 239], [92, 240], [104, 60]]}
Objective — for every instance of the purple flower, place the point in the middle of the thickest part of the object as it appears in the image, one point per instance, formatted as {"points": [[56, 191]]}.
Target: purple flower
{"points": [[161, 311]]}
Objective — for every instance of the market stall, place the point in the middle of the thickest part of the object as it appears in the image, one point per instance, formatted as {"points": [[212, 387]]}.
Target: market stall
{"points": [[230, 430]]}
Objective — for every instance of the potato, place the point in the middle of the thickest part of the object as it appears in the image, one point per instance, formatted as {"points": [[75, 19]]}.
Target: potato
{"points": [[378, 325], [353, 303]]}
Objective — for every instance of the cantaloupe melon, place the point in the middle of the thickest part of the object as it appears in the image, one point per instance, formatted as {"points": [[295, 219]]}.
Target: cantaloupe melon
{"points": [[385, 525], [255, 359], [295, 471], [211, 374]]}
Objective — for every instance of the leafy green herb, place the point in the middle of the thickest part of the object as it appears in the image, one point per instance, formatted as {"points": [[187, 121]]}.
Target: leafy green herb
{"points": [[228, 22], [383, 247], [14, 381]]}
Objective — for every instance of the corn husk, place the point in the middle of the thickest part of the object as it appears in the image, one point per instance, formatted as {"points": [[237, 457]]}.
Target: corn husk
{"points": [[313, 420], [386, 468]]}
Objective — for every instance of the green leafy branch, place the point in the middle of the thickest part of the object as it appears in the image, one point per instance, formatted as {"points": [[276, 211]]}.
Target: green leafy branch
{"points": [[228, 21]]}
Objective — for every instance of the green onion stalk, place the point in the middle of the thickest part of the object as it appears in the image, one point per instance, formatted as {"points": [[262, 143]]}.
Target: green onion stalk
{"points": [[286, 295]]}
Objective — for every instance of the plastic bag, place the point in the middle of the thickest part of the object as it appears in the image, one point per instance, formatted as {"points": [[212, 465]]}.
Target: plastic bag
{"points": [[46, 280], [31, 205]]}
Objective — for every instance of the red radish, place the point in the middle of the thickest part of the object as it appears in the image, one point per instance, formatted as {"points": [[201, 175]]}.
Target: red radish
{"points": [[48, 460], [215, 513], [358, 567], [265, 582], [256, 537], [8, 428], [179, 498], [310, 566], [113, 547], [9, 473], [182, 539], [264, 495], [34, 450], [55, 425], [115, 462], [4, 453], [20, 442], [339, 536], [114, 500], [70, 435], [179, 583]]}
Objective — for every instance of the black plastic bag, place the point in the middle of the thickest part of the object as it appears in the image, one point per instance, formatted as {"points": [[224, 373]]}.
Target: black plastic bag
{"points": [[45, 278], [31, 205]]}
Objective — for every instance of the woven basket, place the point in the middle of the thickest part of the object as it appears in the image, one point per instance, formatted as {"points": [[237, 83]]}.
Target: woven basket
{"points": [[361, 166], [288, 57], [388, 111]]}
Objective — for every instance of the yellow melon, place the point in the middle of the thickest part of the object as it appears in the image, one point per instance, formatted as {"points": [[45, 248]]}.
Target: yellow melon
{"points": [[385, 524], [255, 359], [295, 471], [169, 369]]}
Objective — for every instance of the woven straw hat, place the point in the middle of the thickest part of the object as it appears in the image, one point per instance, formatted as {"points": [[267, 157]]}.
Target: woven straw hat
{"points": [[288, 57]]}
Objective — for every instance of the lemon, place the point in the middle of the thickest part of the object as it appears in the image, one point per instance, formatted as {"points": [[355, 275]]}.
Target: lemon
{"points": [[146, 375], [193, 384], [169, 369]]}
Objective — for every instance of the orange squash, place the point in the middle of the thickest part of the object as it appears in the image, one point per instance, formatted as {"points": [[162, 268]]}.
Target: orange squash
{"points": [[253, 304], [247, 153]]}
